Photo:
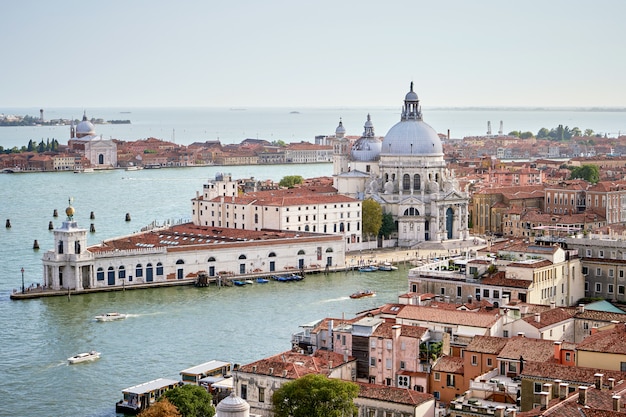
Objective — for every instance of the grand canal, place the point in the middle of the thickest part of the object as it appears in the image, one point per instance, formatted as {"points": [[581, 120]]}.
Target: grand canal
{"points": [[168, 329]]}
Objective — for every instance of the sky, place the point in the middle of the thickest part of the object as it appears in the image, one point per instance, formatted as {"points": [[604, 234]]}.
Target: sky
{"points": [[272, 53]]}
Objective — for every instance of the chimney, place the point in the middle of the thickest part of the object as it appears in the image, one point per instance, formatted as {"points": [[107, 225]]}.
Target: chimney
{"points": [[271, 371], [396, 331], [616, 403], [499, 411], [611, 383], [544, 399], [284, 373], [537, 317], [580, 308], [555, 390], [547, 388], [582, 395], [598, 380], [330, 364], [511, 412], [557, 351], [552, 304], [563, 387], [254, 368]]}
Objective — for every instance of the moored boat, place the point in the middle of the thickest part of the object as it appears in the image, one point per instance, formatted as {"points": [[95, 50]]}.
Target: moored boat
{"points": [[368, 268], [84, 357], [142, 396], [387, 266], [361, 294], [239, 283], [110, 316], [262, 280], [249, 281]]}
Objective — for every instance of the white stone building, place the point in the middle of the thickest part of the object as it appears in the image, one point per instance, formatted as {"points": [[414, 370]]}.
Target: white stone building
{"points": [[178, 253], [102, 153], [306, 209], [406, 173]]}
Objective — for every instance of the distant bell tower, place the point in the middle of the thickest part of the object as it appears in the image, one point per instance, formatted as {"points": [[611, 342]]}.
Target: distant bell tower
{"points": [[41, 115]]}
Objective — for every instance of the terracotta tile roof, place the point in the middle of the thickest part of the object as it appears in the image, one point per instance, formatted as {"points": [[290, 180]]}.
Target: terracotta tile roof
{"points": [[452, 364], [188, 236], [499, 279], [530, 349], [393, 394], [604, 316], [487, 344], [532, 264], [385, 331], [569, 374], [550, 317], [290, 197], [435, 315], [606, 341], [292, 365]]}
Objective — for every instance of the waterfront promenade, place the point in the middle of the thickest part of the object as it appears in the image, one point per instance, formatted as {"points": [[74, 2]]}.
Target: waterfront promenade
{"points": [[396, 256]]}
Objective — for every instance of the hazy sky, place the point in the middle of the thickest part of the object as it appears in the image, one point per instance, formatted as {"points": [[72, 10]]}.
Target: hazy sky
{"points": [[125, 53]]}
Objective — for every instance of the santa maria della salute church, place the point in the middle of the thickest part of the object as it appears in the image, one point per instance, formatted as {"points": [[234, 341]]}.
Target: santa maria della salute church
{"points": [[404, 172]]}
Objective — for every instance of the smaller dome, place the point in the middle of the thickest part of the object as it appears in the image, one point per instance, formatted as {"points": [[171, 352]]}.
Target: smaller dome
{"points": [[231, 405], [85, 127], [340, 129], [366, 149]]}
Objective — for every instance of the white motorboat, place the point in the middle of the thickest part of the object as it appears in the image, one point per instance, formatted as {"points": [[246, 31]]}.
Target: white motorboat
{"points": [[84, 357], [110, 316]]}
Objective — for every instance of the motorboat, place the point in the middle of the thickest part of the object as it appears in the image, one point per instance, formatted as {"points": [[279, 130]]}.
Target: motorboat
{"points": [[262, 280], [368, 268], [239, 283], [84, 357], [387, 266], [249, 281], [361, 294], [110, 316]]}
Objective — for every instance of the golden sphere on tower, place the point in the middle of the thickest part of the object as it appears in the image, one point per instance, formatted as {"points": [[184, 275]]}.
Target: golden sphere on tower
{"points": [[69, 211]]}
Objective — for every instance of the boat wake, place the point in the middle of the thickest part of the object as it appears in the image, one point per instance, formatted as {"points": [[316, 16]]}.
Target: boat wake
{"points": [[334, 300]]}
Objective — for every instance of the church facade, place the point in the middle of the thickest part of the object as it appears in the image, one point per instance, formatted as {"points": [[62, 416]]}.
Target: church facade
{"points": [[102, 153], [406, 174]]}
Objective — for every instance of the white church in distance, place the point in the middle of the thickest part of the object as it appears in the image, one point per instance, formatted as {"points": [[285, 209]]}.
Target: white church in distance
{"points": [[102, 153], [406, 174]]}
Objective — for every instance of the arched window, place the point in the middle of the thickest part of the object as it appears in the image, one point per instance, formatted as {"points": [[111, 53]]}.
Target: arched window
{"points": [[242, 257], [417, 182], [159, 268], [180, 262], [101, 159], [139, 270], [211, 259], [271, 255], [256, 218], [301, 252], [121, 272], [341, 227], [328, 250], [306, 228], [100, 274], [406, 182]]}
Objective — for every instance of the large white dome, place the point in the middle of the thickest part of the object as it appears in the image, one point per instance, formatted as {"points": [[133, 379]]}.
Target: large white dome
{"points": [[411, 136]]}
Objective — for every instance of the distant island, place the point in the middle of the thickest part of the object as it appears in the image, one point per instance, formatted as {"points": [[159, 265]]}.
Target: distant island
{"points": [[15, 120]]}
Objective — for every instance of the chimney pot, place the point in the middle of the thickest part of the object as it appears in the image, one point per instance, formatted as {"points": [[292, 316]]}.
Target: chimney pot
{"points": [[616, 403], [582, 395], [598, 377], [611, 383], [563, 387]]}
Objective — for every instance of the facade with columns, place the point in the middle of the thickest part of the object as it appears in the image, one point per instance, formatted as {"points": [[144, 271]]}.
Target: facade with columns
{"points": [[102, 153], [406, 173]]}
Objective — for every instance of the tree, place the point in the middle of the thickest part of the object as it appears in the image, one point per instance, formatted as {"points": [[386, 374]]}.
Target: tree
{"points": [[526, 135], [388, 225], [589, 132], [543, 133], [371, 217], [162, 408], [587, 172], [191, 401], [315, 395], [290, 181], [279, 142]]}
